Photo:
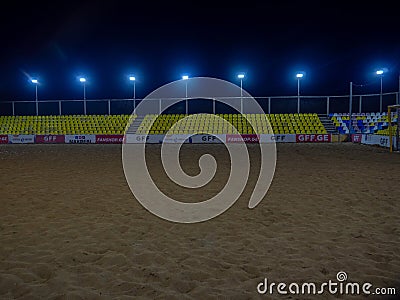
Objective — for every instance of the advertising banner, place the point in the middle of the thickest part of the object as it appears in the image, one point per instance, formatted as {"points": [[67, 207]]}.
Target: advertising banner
{"points": [[278, 138], [313, 138], [208, 138], [247, 138], [50, 139], [3, 139], [372, 139], [80, 139], [109, 139], [21, 139]]}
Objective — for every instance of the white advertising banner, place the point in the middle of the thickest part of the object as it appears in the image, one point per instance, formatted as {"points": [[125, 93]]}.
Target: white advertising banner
{"points": [[372, 139], [143, 138], [21, 139], [208, 138], [178, 138], [80, 139], [277, 138]]}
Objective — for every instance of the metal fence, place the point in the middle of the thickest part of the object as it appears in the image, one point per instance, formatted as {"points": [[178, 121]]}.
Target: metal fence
{"points": [[284, 104]]}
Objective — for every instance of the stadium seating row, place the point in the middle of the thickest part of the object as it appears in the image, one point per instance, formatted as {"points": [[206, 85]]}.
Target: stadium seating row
{"points": [[69, 124], [375, 123], [263, 124], [116, 124]]}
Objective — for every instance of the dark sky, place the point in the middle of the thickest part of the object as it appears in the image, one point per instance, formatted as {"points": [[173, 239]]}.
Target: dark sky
{"points": [[333, 43]]}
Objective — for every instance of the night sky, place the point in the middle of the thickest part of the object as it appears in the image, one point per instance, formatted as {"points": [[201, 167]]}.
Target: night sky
{"points": [[159, 41]]}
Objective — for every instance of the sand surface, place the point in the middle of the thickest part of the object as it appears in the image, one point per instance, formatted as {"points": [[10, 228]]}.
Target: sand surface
{"points": [[70, 227]]}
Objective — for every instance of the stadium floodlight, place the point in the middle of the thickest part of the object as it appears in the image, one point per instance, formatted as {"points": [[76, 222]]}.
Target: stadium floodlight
{"points": [[186, 77], [241, 77], [133, 79], [380, 73], [83, 81], [299, 76], [36, 82]]}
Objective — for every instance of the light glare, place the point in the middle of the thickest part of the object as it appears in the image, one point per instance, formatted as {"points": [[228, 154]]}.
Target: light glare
{"points": [[34, 81], [240, 76], [82, 79], [185, 77], [132, 78]]}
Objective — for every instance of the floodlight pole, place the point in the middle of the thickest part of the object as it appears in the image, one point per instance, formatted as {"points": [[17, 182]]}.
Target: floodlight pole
{"points": [[186, 97], [351, 108], [84, 97], [241, 95], [36, 99], [398, 94], [134, 89], [298, 95], [398, 130], [380, 96]]}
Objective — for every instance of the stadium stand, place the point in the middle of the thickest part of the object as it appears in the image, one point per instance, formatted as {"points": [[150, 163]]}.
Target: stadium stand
{"points": [[69, 124], [116, 124], [280, 124], [375, 123]]}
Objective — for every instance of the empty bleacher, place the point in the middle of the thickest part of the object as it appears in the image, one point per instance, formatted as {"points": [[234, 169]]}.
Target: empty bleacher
{"points": [[69, 124], [372, 123], [161, 124], [279, 124]]}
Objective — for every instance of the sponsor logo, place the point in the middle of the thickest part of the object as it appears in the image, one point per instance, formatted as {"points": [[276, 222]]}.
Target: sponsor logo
{"points": [[209, 138], [42, 139], [313, 138], [80, 139], [109, 139], [21, 139], [384, 141], [247, 138], [356, 138], [3, 139]]}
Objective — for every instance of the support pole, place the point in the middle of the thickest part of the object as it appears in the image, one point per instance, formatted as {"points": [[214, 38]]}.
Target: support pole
{"points": [[59, 107], [380, 96], [398, 130], [390, 129], [298, 95], [351, 108], [214, 106], [327, 106], [269, 105]]}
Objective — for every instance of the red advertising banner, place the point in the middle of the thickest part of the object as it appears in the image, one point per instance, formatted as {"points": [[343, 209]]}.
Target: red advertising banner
{"points": [[313, 138], [247, 138], [3, 139], [50, 139], [356, 138], [109, 139]]}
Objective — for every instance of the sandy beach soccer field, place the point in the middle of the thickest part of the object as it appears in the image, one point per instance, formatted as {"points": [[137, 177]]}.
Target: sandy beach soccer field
{"points": [[70, 227]]}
